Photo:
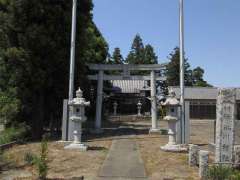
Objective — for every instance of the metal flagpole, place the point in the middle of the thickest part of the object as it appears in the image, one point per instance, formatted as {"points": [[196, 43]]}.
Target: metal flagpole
{"points": [[72, 56], [181, 41]]}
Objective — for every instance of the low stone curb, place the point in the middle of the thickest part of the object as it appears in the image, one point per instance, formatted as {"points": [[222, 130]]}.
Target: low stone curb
{"points": [[8, 145]]}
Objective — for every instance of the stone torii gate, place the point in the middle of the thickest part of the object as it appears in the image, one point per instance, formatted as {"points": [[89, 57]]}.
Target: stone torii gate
{"points": [[126, 75]]}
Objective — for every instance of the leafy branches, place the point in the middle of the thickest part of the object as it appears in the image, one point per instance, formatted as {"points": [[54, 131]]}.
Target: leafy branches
{"points": [[192, 77]]}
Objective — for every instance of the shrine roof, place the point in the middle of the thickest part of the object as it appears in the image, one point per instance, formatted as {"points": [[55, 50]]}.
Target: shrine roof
{"points": [[200, 93]]}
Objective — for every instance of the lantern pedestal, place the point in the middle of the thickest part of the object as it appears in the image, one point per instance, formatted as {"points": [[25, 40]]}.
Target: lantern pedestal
{"points": [[81, 147], [77, 135], [154, 131], [172, 146]]}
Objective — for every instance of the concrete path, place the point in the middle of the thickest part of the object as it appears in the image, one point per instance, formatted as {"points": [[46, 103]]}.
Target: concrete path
{"points": [[123, 162]]}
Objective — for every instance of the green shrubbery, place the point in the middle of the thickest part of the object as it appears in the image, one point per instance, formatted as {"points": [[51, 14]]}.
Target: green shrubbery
{"points": [[223, 172], [16, 133], [162, 112]]}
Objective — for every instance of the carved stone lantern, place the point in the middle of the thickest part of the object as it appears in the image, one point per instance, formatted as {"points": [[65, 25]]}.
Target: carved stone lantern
{"points": [[115, 104], [139, 106], [77, 108], [172, 105]]}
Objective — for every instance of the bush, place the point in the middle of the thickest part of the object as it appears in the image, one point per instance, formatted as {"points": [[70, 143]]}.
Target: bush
{"points": [[236, 176], [17, 133], [223, 172], [162, 111], [40, 162], [29, 158], [9, 105]]}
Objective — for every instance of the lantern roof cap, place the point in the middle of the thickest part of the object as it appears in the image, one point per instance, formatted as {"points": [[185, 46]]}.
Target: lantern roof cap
{"points": [[171, 99], [79, 93]]}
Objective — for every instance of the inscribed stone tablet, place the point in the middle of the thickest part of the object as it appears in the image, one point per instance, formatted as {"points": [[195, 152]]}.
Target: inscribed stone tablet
{"points": [[226, 109]]}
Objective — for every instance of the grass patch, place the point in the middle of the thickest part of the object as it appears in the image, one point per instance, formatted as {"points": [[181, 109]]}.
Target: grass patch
{"points": [[223, 172]]}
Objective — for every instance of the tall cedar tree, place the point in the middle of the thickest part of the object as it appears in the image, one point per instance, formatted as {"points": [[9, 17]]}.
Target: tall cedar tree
{"points": [[136, 55], [117, 57], [140, 54], [149, 55], [34, 58], [173, 70]]}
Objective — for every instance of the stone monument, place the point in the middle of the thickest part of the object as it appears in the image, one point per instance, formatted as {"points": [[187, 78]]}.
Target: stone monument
{"points": [[193, 155], [77, 108], [203, 164], [172, 105], [226, 115]]}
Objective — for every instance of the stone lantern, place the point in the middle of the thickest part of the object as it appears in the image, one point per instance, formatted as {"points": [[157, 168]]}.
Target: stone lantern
{"points": [[139, 106], [77, 108], [115, 104], [172, 105]]}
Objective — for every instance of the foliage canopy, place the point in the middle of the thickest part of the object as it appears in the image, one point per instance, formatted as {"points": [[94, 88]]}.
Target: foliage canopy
{"points": [[34, 58]]}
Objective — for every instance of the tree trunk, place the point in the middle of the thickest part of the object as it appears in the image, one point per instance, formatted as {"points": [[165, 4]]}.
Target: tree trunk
{"points": [[37, 122]]}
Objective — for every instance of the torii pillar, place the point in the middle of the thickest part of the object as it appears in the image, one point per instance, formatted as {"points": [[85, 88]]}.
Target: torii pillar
{"points": [[98, 120], [154, 128]]}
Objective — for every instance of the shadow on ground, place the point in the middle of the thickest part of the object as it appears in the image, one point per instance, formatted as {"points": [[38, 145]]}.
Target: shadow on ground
{"points": [[118, 129]]}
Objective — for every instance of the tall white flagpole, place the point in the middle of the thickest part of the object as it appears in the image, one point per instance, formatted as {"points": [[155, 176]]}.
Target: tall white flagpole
{"points": [[181, 41], [72, 53]]}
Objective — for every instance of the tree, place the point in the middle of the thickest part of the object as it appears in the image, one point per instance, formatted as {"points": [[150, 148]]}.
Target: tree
{"points": [[34, 58], [173, 70], [136, 55], [140, 54], [197, 76], [149, 55], [117, 57]]}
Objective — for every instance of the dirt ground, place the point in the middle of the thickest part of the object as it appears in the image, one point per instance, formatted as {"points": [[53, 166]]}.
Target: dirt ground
{"points": [[67, 164], [165, 165], [62, 163], [160, 164]]}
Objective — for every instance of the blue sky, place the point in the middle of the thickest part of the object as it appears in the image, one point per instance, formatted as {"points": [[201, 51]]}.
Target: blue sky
{"points": [[212, 32]]}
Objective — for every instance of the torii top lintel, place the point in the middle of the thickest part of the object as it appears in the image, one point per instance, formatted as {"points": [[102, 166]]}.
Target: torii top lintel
{"points": [[130, 67]]}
